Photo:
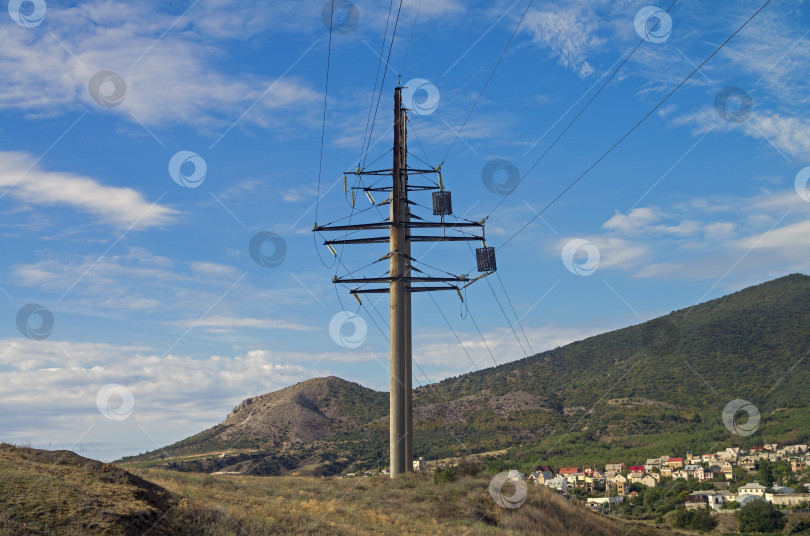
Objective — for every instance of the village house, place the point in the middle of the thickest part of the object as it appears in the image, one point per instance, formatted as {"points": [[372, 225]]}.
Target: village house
{"points": [[680, 473], [695, 502], [619, 482], [787, 499], [758, 490], [748, 464], [616, 467], [666, 470], [635, 478], [797, 465], [728, 469], [650, 480], [796, 449], [708, 458], [541, 474], [711, 498], [700, 473], [572, 478], [675, 463], [559, 483], [650, 463], [771, 447], [636, 469]]}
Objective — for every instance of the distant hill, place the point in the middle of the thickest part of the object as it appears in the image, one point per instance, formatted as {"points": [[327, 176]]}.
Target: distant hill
{"points": [[304, 412], [658, 385]]}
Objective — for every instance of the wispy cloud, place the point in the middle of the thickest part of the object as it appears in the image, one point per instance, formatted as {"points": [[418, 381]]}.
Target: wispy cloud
{"points": [[25, 180], [181, 79], [788, 134], [568, 34]]}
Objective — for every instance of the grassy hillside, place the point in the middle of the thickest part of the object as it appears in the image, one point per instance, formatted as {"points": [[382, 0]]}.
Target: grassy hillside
{"points": [[644, 390], [61, 493]]}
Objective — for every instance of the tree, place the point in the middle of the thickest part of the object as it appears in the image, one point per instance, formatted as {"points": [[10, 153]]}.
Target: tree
{"points": [[701, 519], [760, 516]]}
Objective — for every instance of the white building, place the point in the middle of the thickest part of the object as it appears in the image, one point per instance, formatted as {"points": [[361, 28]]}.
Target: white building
{"points": [[559, 482], [758, 490]]}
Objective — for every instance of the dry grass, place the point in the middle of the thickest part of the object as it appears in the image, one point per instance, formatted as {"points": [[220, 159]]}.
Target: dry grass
{"points": [[59, 492], [55, 493], [412, 504]]}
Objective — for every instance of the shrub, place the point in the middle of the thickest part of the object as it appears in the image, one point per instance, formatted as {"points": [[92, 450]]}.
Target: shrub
{"points": [[701, 520], [760, 516]]}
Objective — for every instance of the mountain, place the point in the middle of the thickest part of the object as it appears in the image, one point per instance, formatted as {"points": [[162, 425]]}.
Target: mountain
{"points": [[659, 385], [304, 412]]}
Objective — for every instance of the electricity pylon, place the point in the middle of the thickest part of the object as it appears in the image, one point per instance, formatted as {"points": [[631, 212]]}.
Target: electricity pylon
{"points": [[400, 280]]}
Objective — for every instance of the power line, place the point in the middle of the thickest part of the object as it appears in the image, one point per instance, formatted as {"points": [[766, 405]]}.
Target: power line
{"points": [[581, 111], [515, 313], [642, 120], [376, 77], [491, 74], [408, 48], [382, 83], [454, 331], [323, 124], [482, 336]]}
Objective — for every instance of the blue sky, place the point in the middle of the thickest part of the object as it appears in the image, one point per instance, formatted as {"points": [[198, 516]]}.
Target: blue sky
{"points": [[162, 320]]}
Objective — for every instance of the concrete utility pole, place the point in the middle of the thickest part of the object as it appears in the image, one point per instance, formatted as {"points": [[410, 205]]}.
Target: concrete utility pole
{"points": [[400, 279], [400, 310]]}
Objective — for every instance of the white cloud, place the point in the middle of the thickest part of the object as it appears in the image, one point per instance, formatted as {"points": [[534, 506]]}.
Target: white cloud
{"points": [[227, 323], [173, 79], [55, 384], [788, 134], [791, 240], [214, 269], [635, 220], [25, 181], [567, 34]]}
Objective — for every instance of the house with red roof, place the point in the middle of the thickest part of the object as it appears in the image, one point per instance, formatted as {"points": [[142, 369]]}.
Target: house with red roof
{"points": [[675, 463], [568, 470], [636, 469]]}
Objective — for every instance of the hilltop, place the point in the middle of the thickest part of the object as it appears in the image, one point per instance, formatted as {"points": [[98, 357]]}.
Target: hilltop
{"points": [[661, 384]]}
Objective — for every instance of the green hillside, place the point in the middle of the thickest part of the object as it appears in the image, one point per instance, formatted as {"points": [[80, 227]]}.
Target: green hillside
{"points": [[645, 390]]}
